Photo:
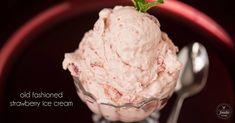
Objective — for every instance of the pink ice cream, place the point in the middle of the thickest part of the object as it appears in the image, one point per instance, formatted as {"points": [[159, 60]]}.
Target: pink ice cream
{"points": [[124, 59]]}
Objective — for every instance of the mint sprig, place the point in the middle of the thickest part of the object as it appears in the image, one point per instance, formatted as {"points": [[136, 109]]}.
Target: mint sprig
{"points": [[144, 6]]}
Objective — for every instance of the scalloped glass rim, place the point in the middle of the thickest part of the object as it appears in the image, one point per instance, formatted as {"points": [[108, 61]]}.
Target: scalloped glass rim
{"points": [[91, 98]]}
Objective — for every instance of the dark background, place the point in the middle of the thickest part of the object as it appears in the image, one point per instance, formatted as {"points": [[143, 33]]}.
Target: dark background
{"points": [[14, 13]]}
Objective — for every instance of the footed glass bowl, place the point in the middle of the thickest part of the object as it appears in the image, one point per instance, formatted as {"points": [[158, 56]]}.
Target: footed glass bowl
{"points": [[128, 112]]}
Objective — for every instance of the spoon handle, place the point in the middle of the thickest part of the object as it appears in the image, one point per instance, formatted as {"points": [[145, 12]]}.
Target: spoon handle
{"points": [[173, 118]]}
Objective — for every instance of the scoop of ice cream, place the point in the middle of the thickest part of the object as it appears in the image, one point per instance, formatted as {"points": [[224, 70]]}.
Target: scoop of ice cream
{"points": [[125, 58]]}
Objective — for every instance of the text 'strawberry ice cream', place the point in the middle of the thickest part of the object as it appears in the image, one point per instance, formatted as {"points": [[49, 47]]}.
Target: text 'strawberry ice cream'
{"points": [[125, 67]]}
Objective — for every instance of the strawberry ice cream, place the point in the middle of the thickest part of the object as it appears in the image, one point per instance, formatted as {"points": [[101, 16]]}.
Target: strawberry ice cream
{"points": [[125, 67]]}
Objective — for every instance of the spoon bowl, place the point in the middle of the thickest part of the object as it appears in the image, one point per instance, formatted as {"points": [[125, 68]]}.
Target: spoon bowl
{"points": [[195, 69]]}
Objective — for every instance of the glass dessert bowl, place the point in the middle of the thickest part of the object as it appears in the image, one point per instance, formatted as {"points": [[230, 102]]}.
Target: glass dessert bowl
{"points": [[128, 112]]}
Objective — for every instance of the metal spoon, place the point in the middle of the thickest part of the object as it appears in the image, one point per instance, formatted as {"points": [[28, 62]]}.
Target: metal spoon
{"points": [[192, 78]]}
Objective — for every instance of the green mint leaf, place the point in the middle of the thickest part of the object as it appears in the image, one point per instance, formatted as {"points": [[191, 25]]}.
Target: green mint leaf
{"points": [[143, 6]]}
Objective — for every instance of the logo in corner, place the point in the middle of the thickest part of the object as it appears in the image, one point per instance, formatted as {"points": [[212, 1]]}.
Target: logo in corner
{"points": [[224, 111]]}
